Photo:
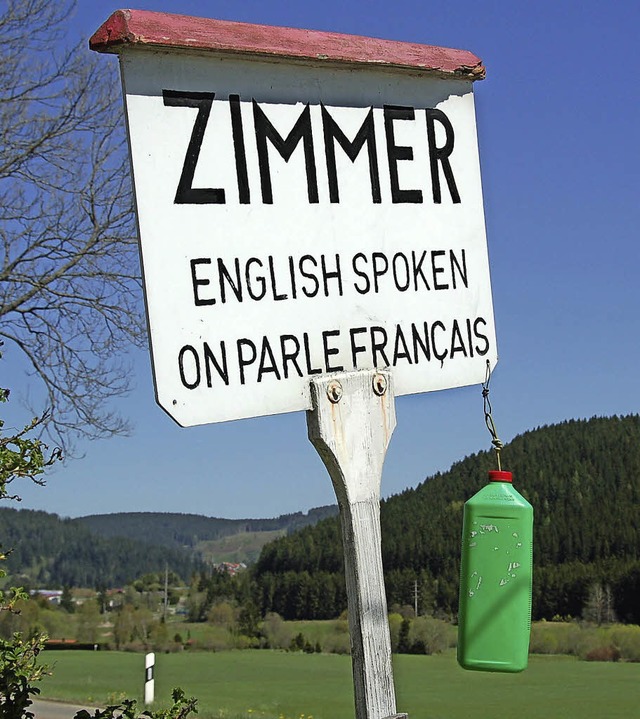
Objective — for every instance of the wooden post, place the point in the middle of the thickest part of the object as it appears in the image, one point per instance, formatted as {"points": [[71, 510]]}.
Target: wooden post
{"points": [[350, 426]]}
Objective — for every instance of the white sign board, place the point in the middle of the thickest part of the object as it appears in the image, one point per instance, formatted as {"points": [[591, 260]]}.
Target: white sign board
{"points": [[298, 220]]}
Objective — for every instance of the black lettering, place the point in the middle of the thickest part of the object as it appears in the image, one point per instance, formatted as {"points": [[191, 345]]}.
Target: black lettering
{"points": [[484, 349], [186, 194], [223, 274], [301, 131], [378, 270], [264, 367], [462, 271], [309, 276], [239, 150], [186, 351], [259, 279], [421, 341], [307, 355], [400, 349], [274, 289], [326, 275], [441, 155], [198, 282], [469, 338], [457, 343], [210, 359], [441, 356], [396, 153], [378, 347], [401, 259], [245, 361], [437, 270], [292, 275], [417, 269], [356, 349], [290, 357], [328, 351], [366, 133], [360, 256]]}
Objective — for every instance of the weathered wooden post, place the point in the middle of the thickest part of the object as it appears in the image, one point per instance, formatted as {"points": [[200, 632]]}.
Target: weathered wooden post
{"points": [[350, 425], [312, 238]]}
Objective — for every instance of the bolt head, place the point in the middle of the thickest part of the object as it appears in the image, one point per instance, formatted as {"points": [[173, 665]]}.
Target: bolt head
{"points": [[334, 391], [379, 384]]}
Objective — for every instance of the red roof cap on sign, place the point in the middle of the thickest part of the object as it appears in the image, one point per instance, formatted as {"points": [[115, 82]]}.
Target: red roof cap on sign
{"points": [[155, 30]]}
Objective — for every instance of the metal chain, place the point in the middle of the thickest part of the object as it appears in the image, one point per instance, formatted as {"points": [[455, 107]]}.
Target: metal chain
{"points": [[488, 419]]}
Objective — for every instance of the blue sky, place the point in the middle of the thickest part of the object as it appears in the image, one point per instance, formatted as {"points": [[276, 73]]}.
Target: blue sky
{"points": [[558, 119]]}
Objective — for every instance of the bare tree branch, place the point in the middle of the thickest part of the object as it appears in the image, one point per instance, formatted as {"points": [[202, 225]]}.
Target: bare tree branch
{"points": [[70, 290]]}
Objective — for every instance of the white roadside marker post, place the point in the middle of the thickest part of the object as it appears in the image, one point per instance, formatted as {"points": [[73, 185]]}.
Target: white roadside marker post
{"points": [[350, 426], [149, 681]]}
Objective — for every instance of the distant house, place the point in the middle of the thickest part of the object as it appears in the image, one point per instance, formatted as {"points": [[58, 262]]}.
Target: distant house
{"points": [[51, 595], [115, 598], [231, 568]]}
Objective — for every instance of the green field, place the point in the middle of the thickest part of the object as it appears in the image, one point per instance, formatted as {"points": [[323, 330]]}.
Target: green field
{"points": [[240, 547], [278, 685]]}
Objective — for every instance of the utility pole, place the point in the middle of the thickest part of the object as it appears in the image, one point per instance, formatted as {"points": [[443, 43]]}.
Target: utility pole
{"points": [[166, 590], [415, 597]]}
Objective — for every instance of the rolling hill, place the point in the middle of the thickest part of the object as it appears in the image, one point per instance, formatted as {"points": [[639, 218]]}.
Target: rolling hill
{"points": [[583, 479], [114, 549]]}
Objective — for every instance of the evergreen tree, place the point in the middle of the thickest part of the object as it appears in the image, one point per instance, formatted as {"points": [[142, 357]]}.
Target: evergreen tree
{"points": [[583, 479], [66, 600]]}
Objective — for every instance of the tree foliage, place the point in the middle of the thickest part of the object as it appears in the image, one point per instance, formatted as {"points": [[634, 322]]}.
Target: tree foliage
{"points": [[21, 456], [583, 479], [61, 552], [69, 278], [180, 530], [19, 671], [182, 707]]}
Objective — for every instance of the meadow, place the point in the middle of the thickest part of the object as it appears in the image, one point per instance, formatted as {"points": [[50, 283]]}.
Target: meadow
{"points": [[267, 684]]}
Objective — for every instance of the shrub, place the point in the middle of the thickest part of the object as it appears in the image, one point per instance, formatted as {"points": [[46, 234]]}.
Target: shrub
{"points": [[603, 654], [627, 640], [276, 633], [128, 709], [337, 644], [562, 638], [428, 635], [223, 614], [297, 643], [395, 622], [544, 639], [587, 641]]}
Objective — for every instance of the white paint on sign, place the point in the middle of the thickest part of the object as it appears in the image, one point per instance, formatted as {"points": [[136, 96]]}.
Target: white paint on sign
{"points": [[297, 221]]}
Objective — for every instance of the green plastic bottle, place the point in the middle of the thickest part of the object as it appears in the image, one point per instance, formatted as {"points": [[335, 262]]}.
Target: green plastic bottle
{"points": [[494, 620]]}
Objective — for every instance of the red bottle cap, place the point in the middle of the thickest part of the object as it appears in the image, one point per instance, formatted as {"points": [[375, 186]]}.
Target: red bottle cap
{"points": [[496, 475]]}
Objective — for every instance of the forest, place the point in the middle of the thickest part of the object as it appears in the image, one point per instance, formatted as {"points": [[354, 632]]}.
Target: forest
{"points": [[44, 550], [187, 530], [583, 480], [581, 476]]}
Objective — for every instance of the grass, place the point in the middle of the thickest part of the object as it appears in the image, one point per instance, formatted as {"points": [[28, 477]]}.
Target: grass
{"points": [[241, 547], [263, 684]]}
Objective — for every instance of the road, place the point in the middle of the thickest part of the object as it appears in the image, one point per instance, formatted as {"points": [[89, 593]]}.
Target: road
{"points": [[56, 710]]}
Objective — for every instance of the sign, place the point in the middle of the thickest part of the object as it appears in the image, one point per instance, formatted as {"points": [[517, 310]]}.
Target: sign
{"points": [[300, 216]]}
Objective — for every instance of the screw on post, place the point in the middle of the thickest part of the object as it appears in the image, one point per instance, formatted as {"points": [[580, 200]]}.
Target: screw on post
{"points": [[334, 391], [379, 384]]}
